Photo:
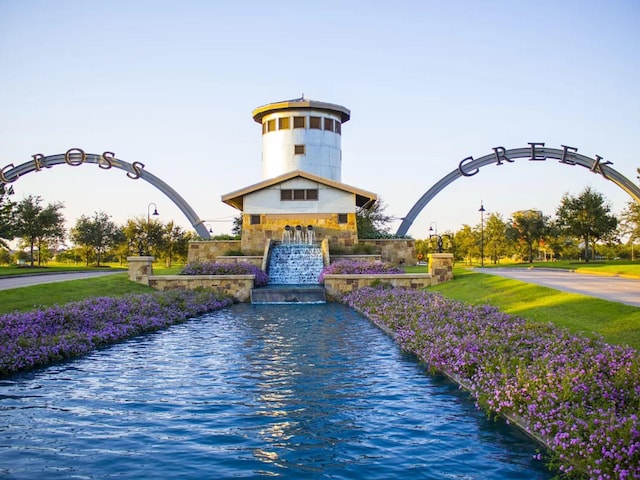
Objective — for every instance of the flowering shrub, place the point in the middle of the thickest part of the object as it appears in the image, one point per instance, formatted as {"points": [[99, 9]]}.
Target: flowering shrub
{"points": [[38, 337], [216, 268], [358, 267], [581, 396]]}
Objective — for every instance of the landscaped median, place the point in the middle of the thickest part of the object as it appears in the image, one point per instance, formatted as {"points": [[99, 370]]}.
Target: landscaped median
{"points": [[39, 337], [579, 396]]}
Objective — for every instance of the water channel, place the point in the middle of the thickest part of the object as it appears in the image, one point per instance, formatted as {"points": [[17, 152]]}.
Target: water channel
{"points": [[294, 392]]}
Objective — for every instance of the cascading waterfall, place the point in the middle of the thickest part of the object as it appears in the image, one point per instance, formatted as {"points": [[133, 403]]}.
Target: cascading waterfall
{"points": [[295, 263]]}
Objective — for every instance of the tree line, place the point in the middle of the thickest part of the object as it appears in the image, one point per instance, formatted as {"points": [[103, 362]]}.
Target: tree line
{"points": [[96, 239], [583, 228]]}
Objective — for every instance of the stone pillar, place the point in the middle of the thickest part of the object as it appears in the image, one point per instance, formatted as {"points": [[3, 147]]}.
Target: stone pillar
{"points": [[440, 267], [140, 268]]}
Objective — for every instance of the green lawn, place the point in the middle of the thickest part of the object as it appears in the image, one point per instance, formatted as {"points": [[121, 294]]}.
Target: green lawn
{"points": [[610, 267], [616, 322]]}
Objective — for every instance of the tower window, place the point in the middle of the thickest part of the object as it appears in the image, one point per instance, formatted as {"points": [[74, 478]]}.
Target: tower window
{"points": [[338, 127], [271, 125], [299, 194], [299, 122], [298, 150], [343, 218], [315, 122], [284, 123], [328, 124]]}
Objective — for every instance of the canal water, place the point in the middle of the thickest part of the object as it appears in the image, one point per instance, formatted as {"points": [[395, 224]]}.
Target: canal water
{"points": [[294, 392]]}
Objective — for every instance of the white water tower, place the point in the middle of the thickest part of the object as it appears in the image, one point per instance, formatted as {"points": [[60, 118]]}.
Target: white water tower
{"points": [[301, 134]]}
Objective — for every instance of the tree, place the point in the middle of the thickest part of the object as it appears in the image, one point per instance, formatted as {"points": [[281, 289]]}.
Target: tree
{"points": [[495, 239], [176, 242], [465, 242], [36, 224], [586, 216], [630, 223], [372, 222], [6, 214], [527, 227], [96, 235]]}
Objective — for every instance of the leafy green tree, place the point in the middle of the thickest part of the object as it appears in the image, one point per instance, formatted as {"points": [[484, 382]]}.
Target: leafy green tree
{"points": [[495, 238], [527, 227], [586, 216], [237, 226], [175, 242], [630, 223], [6, 214], [96, 235], [372, 222], [37, 225], [466, 242]]}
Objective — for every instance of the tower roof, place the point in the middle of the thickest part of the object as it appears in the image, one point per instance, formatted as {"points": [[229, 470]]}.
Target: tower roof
{"points": [[300, 104]]}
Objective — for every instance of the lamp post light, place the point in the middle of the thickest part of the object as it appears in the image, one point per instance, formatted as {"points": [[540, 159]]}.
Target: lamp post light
{"points": [[431, 229], [155, 214], [481, 210]]}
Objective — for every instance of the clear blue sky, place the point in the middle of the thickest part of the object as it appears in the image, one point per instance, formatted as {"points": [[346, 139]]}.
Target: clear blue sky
{"points": [[173, 84]]}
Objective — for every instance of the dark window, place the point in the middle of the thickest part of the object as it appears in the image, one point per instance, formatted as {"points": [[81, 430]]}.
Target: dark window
{"points": [[343, 218], [271, 125], [338, 127], [255, 220], [299, 194], [284, 123], [286, 194], [298, 149], [328, 124], [264, 128], [315, 122], [299, 122]]}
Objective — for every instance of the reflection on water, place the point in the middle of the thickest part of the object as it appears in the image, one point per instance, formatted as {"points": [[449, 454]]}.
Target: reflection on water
{"points": [[307, 391]]}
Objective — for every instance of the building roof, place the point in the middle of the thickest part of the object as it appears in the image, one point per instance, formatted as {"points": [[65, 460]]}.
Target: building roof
{"points": [[301, 104], [235, 199]]}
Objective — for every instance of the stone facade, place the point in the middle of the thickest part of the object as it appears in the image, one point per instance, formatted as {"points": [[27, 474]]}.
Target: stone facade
{"points": [[399, 251], [237, 286], [271, 227]]}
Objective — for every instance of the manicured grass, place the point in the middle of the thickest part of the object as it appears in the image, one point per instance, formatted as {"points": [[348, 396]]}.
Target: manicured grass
{"points": [[609, 267], [615, 322], [48, 294], [25, 270]]}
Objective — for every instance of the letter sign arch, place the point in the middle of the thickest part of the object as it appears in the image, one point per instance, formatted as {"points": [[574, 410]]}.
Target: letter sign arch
{"points": [[535, 152], [135, 170]]}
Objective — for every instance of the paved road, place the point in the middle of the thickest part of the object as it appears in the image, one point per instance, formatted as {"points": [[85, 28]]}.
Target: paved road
{"points": [[614, 289], [17, 281]]}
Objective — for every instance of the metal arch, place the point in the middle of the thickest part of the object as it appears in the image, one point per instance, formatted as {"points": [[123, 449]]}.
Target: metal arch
{"points": [[542, 154], [28, 167]]}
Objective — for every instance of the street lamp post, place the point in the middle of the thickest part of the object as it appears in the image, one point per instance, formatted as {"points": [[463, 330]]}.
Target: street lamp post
{"points": [[155, 214], [481, 210]]}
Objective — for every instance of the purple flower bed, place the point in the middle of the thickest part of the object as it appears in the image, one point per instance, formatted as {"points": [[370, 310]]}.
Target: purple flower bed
{"points": [[359, 267], [581, 396], [39, 337], [220, 268]]}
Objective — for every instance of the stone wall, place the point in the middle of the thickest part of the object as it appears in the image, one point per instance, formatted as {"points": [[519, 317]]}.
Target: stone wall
{"points": [[210, 250], [399, 251], [336, 285], [237, 286]]}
